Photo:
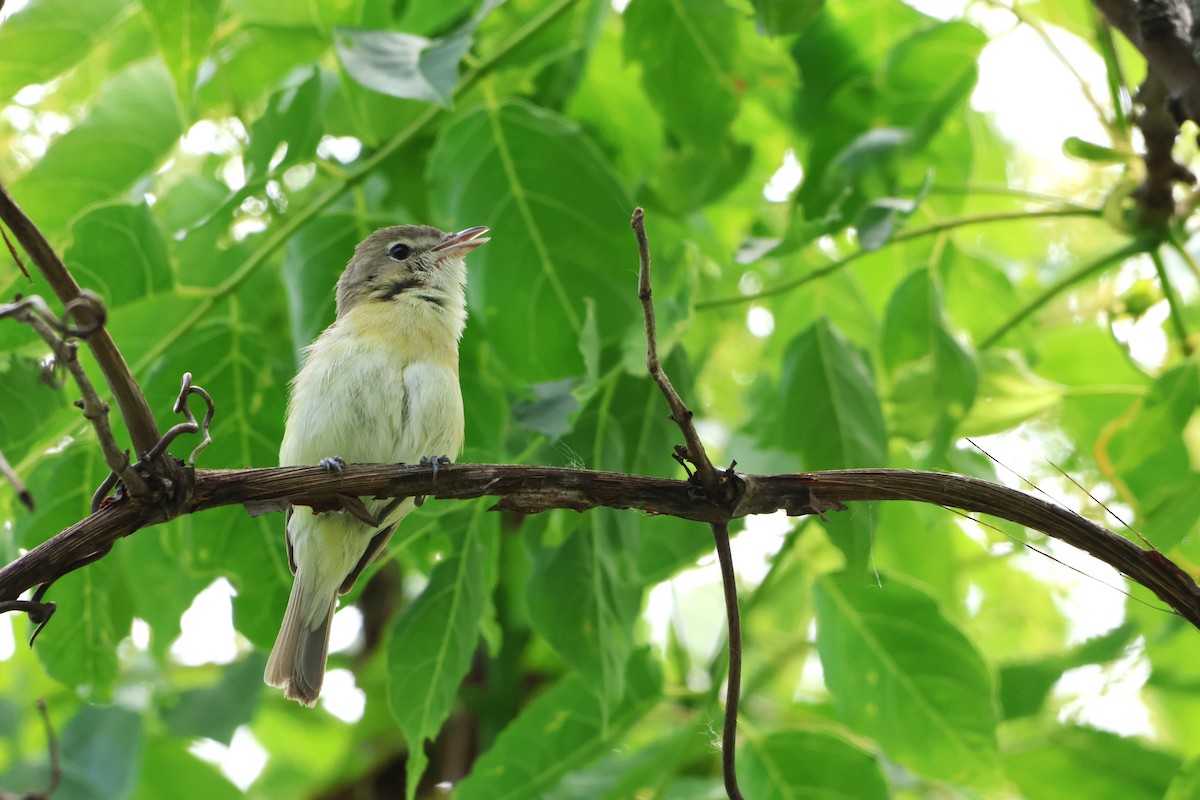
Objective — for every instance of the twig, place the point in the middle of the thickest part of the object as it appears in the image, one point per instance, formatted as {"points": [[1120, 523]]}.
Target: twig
{"points": [[87, 307], [1177, 314], [733, 690], [51, 746], [1062, 284], [717, 488], [680, 414], [132, 403], [39, 612], [22, 491], [12, 251], [908, 234]]}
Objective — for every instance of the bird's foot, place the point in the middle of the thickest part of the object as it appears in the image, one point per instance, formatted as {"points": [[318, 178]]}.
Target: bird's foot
{"points": [[434, 463], [333, 464]]}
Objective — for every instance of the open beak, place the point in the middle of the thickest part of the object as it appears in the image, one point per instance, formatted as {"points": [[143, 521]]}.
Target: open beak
{"points": [[462, 242]]}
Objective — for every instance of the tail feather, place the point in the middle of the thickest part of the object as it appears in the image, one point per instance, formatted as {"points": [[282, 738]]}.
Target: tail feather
{"points": [[297, 662]]}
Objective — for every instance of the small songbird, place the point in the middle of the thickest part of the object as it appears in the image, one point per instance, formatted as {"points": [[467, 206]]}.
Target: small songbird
{"points": [[379, 385]]}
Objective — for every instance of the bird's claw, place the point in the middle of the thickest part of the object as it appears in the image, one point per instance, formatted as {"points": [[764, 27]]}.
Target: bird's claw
{"points": [[333, 464], [434, 463]]}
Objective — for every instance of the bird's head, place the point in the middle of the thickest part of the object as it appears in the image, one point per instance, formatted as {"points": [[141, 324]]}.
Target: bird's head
{"points": [[406, 262]]}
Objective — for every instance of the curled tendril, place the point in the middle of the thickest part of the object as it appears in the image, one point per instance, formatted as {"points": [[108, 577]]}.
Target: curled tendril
{"points": [[191, 426]]}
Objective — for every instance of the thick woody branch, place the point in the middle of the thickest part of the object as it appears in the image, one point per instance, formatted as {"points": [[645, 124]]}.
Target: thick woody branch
{"points": [[1166, 48], [1159, 130], [132, 403], [537, 489]]}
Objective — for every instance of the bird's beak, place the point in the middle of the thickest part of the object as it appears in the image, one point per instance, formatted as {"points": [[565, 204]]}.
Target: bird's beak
{"points": [[461, 242]]}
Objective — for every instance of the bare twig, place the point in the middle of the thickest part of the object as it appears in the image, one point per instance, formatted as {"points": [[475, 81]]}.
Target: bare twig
{"points": [[680, 414], [18, 485], [51, 746], [12, 251], [733, 686], [132, 403], [717, 488], [34, 312]]}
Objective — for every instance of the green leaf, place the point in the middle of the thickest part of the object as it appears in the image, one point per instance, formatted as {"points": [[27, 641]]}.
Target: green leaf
{"points": [[873, 151], [215, 712], [47, 37], [781, 17], [929, 73], [408, 66], [1186, 784], [101, 754], [555, 241], [28, 403], [900, 672], [1009, 393], [879, 221], [169, 770], [119, 234], [808, 765], [431, 644], [131, 127], [689, 178], [291, 119], [183, 30], [584, 599], [1082, 762], [829, 413], [550, 410], [560, 731], [686, 52], [935, 376]]}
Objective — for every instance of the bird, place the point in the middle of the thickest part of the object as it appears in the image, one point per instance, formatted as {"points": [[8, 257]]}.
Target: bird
{"points": [[379, 385]]}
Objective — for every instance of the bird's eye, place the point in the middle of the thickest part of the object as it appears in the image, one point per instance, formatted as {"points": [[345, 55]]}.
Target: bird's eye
{"points": [[400, 251]]}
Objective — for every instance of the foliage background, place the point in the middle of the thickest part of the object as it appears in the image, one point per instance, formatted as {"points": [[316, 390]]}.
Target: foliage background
{"points": [[207, 166]]}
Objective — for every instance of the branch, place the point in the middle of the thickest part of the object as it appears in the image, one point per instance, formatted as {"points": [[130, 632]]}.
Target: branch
{"points": [[536, 489], [1166, 48], [903, 236], [1062, 284], [1156, 195], [51, 745], [34, 312], [717, 488], [134, 408], [18, 485]]}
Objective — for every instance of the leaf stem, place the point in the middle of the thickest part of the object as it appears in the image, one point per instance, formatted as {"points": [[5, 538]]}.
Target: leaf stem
{"points": [[1177, 312], [1065, 282], [902, 236]]}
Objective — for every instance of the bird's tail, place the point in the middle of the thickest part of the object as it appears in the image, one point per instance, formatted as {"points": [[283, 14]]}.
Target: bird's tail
{"points": [[297, 662]]}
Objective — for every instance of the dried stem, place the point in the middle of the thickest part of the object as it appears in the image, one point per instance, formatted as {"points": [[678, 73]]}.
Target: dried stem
{"points": [[716, 488], [733, 688], [18, 485], [132, 403], [530, 490], [34, 312], [51, 745]]}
